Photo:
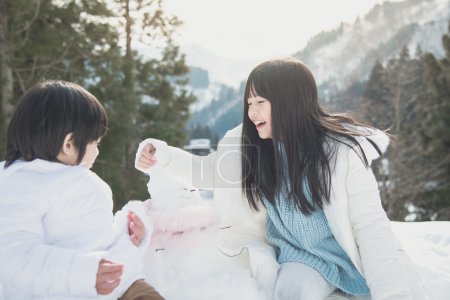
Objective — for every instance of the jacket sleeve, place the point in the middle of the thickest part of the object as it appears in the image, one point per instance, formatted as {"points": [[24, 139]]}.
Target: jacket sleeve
{"points": [[122, 250], [30, 264], [388, 271], [196, 170], [121, 223]]}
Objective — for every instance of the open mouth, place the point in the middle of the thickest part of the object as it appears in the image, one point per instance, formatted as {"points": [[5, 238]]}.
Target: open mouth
{"points": [[260, 124]]}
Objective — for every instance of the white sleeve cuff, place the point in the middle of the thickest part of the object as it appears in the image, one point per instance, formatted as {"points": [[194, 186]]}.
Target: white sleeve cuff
{"points": [[83, 274], [140, 209], [162, 154]]}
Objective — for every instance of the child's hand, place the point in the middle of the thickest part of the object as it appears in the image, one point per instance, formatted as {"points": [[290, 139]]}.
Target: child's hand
{"points": [[147, 158], [108, 277], [136, 228]]}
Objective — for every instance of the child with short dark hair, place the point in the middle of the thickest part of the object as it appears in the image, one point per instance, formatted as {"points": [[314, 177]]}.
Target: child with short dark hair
{"points": [[59, 238]]}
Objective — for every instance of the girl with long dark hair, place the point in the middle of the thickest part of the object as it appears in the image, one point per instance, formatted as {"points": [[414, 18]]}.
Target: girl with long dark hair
{"points": [[311, 171]]}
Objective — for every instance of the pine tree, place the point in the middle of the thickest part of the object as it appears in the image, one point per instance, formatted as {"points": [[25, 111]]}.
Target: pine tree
{"points": [[419, 164], [377, 110], [48, 40], [149, 97], [377, 107], [405, 162], [435, 138]]}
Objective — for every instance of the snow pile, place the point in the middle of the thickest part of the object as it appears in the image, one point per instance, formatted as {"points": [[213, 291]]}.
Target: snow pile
{"points": [[428, 245]]}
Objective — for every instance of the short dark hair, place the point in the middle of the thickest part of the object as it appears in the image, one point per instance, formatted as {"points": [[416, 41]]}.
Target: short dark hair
{"points": [[46, 114]]}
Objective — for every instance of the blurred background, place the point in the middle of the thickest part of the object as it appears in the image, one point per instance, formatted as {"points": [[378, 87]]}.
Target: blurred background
{"points": [[175, 70]]}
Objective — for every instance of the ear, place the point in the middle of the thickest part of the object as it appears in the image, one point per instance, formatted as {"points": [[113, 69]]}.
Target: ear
{"points": [[68, 147]]}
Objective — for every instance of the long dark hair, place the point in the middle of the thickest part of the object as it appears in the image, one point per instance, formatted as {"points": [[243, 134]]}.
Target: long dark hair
{"points": [[46, 114], [305, 131]]}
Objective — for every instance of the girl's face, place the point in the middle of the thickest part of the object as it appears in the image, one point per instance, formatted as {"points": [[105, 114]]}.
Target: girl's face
{"points": [[260, 113]]}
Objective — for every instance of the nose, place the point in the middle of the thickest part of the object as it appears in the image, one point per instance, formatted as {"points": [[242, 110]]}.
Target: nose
{"points": [[252, 111]]}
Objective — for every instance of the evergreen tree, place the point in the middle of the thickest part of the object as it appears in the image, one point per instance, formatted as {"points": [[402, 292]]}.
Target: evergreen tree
{"points": [[416, 170], [377, 110], [405, 161], [149, 97], [430, 164], [434, 130], [377, 107], [48, 40]]}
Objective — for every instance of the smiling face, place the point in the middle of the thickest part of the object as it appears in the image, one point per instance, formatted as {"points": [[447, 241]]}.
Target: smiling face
{"points": [[260, 114]]}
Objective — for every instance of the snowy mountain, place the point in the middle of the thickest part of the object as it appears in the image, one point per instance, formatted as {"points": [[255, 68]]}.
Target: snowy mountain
{"points": [[205, 96], [340, 56], [350, 51], [219, 107], [218, 93]]}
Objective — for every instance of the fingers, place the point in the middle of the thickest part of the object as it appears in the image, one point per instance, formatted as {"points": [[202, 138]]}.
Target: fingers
{"points": [[147, 158], [148, 151], [135, 240], [106, 288], [148, 154], [146, 161], [136, 228], [108, 276], [136, 237], [137, 221], [107, 266]]}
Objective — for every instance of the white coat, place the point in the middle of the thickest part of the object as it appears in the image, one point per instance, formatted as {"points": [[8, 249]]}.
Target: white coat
{"points": [[355, 214], [56, 225]]}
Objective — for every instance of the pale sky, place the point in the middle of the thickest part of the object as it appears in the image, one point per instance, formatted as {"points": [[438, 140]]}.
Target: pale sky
{"points": [[259, 29]]}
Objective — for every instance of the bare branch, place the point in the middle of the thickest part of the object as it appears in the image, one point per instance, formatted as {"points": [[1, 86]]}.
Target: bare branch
{"points": [[20, 80], [30, 22], [47, 66]]}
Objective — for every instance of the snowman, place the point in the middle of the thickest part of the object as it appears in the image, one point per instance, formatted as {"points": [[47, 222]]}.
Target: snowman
{"points": [[182, 261]]}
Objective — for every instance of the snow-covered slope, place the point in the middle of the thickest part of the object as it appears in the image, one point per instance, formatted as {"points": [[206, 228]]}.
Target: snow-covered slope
{"points": [[205, 96], [350, 50]]}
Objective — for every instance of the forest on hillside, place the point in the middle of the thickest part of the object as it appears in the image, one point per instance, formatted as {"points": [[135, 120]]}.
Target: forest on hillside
{"points": [[410, 96]]}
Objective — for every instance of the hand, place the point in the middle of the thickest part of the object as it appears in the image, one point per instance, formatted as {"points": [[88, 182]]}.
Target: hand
{"points": [[108, 277], [147, 158], [136, 228]]}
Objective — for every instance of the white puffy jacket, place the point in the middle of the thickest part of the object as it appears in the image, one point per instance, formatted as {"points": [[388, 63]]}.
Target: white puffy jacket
{"points": [[56, 224]]}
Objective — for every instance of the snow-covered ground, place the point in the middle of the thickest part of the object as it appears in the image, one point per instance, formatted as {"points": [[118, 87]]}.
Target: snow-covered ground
{"points": [[183, 262]]}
